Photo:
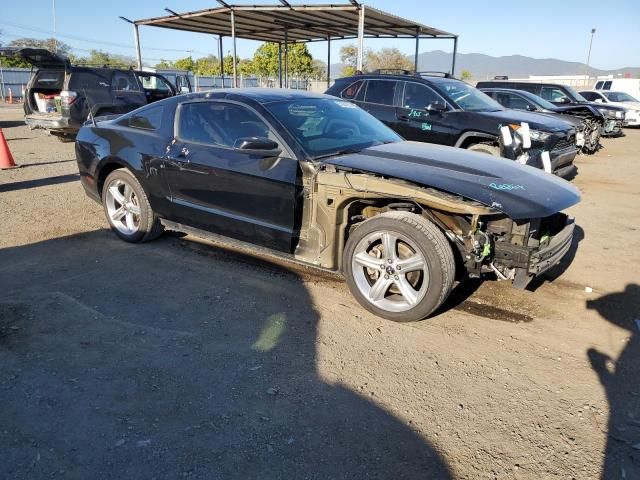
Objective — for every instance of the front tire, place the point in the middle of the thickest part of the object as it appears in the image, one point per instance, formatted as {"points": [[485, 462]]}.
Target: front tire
{"points": [[127, 208], [485, 148], [399, 266]]}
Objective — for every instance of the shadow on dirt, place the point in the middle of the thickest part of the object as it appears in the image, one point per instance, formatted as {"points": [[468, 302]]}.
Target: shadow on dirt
{"points": [[11, 123], [620, 379], [143, 361], [39, 182]]}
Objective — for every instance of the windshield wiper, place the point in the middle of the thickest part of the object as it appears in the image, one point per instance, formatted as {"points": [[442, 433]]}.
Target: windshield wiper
{"points": [[344, 151]]}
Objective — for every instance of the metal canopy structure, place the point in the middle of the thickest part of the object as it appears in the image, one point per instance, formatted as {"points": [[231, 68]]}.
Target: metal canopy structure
{"points": [[287, 23]]}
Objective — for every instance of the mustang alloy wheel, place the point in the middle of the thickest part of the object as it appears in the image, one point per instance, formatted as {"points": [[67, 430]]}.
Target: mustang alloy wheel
{"points": [[127, 208], [399, 266]]}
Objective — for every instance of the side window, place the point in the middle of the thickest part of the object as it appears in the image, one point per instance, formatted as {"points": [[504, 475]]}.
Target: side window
{"points": [[149, 119], [381, 91], [152, 82], [591, 96], [517, 102], [607, 85], [553, 94], [124, 81], [352, 90], [218, 123], [599, 85], [418, 96]]}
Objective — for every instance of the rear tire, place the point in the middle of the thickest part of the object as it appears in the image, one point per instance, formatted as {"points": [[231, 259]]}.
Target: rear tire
{"points": [[127, 208], [485, 148], [399, 266]]}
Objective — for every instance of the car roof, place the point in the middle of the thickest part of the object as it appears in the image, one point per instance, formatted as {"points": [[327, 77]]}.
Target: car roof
{"points": [[261, 95], [406, 77]]}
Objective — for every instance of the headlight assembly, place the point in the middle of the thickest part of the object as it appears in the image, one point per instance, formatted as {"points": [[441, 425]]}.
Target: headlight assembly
{"points": [[619, 114], [539, 135]]}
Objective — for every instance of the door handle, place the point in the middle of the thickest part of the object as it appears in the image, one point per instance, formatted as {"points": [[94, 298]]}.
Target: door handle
{"points": [[403, 118]]}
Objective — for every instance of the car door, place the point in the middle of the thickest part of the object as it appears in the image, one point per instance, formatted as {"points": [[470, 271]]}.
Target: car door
{"points": [[416, 119], [380, 98], [155, 86], [126, 92], [218, 187], [183, 84]]}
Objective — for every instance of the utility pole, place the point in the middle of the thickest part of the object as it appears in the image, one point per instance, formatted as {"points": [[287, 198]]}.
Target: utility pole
{"points": [[593, 31], [55, 42]]}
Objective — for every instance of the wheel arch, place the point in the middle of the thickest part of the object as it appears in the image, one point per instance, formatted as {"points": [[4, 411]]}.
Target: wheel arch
{"points": [[471, 138], [341, 201], [107, 166]]}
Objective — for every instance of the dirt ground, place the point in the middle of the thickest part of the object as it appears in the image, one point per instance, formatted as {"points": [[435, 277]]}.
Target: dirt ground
{"points": [[183, 358]]}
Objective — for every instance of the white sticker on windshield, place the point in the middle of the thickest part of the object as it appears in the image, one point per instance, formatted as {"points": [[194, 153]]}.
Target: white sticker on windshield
{"points": [[345, 104]]}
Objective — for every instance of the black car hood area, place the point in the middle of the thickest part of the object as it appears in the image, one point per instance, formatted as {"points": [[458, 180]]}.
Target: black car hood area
{"points": [[534, 120], [519, 191]]}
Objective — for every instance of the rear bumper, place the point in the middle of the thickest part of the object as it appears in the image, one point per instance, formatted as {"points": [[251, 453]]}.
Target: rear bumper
{"points": [[52, 122]]}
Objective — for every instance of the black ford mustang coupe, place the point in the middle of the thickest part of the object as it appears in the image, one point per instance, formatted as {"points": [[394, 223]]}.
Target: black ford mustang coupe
{"points": [[319, 180]]}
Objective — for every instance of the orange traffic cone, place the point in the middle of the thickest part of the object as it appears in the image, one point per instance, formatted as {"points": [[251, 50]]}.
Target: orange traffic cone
{"points": [[6, 159]]}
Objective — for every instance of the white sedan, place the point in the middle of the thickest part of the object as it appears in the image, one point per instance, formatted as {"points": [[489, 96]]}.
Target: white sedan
{"points": [[621, 99]]}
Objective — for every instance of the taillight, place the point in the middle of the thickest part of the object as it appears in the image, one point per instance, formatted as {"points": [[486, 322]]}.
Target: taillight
{"points": [[67, 97]]}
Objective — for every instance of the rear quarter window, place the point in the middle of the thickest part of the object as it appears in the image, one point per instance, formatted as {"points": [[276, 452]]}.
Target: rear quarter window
{"points": [[351, 92], [607, 85], [148, 119]]}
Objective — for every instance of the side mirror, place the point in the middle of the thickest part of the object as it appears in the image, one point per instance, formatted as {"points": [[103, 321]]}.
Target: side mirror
{"points": [[531, 108], [257, 146], [437, 107]]}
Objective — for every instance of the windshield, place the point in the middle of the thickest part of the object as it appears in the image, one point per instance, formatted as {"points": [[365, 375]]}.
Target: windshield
{"points": [[324, 127], [619, 97], [467, 97], [575, 95]]}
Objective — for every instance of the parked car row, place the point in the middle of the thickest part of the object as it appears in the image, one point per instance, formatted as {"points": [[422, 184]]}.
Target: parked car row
{"points": [[436, 108], [563, 95]]}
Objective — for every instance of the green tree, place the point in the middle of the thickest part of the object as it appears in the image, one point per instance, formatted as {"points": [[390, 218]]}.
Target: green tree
{"points": [[265, 60], [209, 65], [100, 57], [186, 63], [227, 64], [466, 75], [245, 67], [164, 64], [388, 58]]}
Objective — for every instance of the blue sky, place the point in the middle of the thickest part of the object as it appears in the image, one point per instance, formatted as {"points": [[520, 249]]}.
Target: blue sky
{"points": [[540, 28]]}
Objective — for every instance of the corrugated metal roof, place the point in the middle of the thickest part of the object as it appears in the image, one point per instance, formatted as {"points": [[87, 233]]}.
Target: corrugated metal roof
{"points": [[302, 23]]}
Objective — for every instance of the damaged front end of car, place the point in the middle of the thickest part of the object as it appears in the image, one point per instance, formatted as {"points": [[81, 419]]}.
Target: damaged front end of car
{"points": [[517, 250]]}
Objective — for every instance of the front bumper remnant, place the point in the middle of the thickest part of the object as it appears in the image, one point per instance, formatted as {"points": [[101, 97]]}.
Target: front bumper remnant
{"points": [[532, 261]]}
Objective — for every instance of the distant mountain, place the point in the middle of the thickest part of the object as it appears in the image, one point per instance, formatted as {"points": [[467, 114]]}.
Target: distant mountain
{"points": [[485, 66]]}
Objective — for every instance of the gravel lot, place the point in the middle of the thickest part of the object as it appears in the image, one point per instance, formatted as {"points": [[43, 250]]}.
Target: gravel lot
{"points": [[184, 358]]}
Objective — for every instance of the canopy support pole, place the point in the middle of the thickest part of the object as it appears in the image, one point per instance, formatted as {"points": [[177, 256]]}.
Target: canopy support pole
{"points": [[455, 52], [415, 61], [360, 38], [280, 63], [233, 35], [221, 54], [286, 58], [136, 37], [328, 61]]}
